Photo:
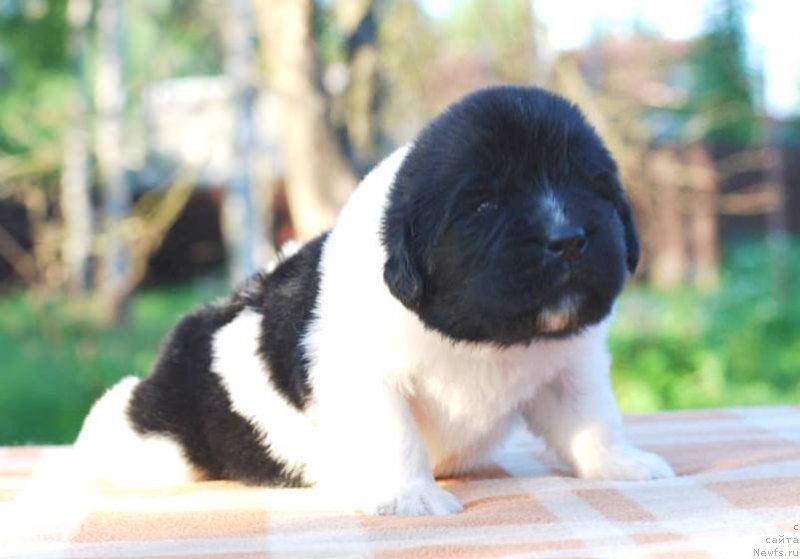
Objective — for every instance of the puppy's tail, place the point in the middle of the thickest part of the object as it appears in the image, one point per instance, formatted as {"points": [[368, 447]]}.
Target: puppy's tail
{"points": [[110, 449]]}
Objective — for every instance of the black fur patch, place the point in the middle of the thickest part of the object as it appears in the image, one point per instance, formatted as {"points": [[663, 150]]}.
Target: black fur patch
{"points": [[287, 298], [183, 398]]}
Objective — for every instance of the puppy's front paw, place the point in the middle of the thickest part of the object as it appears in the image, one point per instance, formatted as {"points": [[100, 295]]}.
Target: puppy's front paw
{"points": [[418, 499], [623, 462]]}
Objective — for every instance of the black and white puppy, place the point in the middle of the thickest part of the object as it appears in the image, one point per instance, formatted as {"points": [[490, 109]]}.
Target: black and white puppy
{"points": [[469, 280]]}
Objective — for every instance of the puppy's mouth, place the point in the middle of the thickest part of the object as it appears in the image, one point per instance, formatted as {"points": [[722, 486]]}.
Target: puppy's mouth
{"points": [[561, 316]]}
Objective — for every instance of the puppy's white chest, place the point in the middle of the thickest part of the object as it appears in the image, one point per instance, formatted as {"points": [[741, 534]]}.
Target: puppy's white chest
{"points": [[463, 405]]}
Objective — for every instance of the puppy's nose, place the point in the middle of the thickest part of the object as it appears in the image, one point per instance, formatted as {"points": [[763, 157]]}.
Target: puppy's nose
{"points": [[567, 241]]}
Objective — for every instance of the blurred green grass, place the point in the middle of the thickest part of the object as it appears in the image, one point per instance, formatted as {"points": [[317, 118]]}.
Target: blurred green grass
{"points": [[738, 346], [56, 363]]}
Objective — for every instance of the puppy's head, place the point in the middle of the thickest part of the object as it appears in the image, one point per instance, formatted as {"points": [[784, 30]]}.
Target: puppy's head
{"points": [[507, 221]]}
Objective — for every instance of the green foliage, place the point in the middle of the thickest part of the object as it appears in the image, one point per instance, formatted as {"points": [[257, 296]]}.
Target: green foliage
{"points": [[739, 346], [329, 40], [33, 36], [172, 38], [163, 39], [56, 362], [34, 71], [501, 31], [723, 90]]}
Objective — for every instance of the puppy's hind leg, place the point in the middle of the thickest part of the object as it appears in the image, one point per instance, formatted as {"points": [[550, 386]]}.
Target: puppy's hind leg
{"points": [[109, 449]]}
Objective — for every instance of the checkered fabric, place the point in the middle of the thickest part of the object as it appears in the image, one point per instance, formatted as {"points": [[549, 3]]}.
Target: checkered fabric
{"points": [[737, 495]]}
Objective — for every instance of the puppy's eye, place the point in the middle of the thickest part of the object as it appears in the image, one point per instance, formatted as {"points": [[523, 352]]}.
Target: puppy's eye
{"points": [[485, 206]]}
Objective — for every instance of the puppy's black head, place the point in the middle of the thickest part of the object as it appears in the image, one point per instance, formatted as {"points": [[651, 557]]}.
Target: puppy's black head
{"points": [[507, 221]]}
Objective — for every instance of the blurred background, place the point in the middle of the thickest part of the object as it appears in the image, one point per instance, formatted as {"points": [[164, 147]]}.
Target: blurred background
{"points": [[154, 152]]}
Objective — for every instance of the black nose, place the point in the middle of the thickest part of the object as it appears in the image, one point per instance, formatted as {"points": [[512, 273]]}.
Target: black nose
{"points": [[567, 241]]}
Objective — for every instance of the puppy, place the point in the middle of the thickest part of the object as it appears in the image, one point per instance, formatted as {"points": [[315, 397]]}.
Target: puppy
{"points": [[469, 280]]}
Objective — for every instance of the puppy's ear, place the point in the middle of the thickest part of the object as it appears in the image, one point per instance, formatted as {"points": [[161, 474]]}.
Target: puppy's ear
{"points": [[631, 236], [612, 185], [401, 273]]}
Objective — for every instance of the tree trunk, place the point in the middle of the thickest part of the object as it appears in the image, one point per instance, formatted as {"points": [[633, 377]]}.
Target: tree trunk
{"points": [[778, 242], [542, 56], [76, 206], [243, 218], [532, 44], [319, 179], [110, 103], [357, 22], [703, 215], [669, 261]]}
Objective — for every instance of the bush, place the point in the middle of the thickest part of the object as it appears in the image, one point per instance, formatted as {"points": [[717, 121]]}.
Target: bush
{"points": [[56, 362], [737, 346]]}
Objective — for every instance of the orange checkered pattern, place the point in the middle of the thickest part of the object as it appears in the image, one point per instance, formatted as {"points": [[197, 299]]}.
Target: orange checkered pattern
{"points": [[737, 495]]}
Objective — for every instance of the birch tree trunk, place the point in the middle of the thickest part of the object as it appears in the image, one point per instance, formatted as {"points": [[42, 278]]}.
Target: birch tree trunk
{"points": [[319, 179], [243, 210], [110, 103], [75, 199], [357, 22]]}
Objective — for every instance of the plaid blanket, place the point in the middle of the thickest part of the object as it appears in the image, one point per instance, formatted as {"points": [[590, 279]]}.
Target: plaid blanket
{"points": [[737, 495]]}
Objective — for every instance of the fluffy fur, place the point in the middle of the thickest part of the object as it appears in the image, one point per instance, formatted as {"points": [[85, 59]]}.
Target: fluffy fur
{"points": [[469, 280]]}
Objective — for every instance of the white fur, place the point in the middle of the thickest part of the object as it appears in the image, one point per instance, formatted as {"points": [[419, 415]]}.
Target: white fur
{"points": [[243, 374], [109, 449], [554, 207], [394, 403]]}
